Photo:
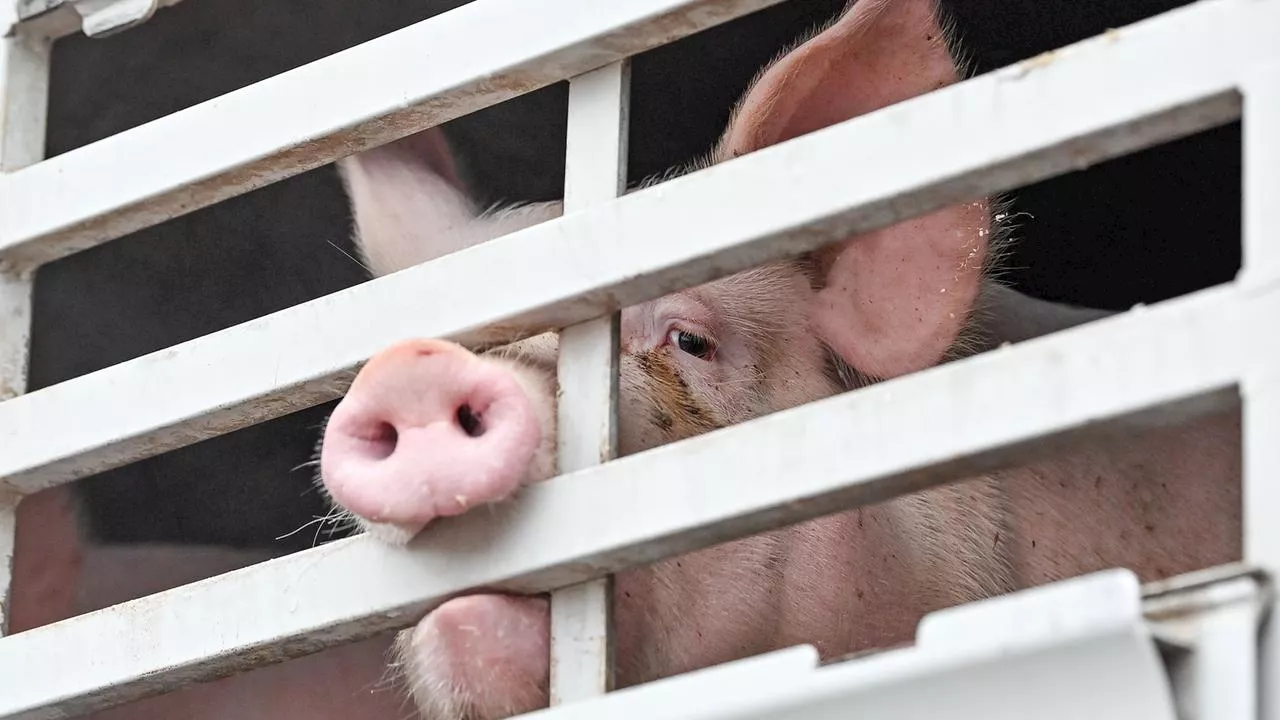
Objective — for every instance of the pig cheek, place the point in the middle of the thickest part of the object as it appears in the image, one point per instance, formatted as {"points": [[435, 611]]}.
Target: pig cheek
{"points": [[483, 656], [643, 423], [726, 394]]}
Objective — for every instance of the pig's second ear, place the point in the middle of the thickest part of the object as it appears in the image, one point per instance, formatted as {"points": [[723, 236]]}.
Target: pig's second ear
{"points": [[893, 301], [406, 201], [409, 206]]}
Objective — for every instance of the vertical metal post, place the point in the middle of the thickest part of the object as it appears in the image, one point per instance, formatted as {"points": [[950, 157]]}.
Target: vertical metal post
{"points": [[24, 95], [595, 171], [1261, 386]]}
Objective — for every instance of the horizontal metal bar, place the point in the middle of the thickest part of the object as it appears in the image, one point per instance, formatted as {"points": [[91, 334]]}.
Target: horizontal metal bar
{"points": [[455, 63], [986, 135], [1158, 365]]}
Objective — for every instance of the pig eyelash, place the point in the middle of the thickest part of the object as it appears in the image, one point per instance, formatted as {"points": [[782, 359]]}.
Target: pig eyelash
{"points": [[690, 343]]}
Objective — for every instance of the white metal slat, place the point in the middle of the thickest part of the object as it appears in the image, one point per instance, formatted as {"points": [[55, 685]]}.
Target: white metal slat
{"points": [[407, 80], [24, 89], [671, 500], [1002, 130], [1261, 387], [595, 172]]}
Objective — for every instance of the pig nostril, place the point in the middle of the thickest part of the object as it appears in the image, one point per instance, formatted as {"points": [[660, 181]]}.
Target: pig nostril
{"points": [[383, 440], [469, 421]]}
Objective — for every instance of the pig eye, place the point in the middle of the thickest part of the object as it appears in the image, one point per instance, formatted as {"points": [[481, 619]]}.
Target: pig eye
{"points": [[695, 345]]}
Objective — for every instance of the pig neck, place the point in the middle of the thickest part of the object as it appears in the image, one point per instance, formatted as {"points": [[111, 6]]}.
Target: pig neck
{"points": [[898, 560], [853, 581], [1140, 502], [1136, 500], [862, 580]]}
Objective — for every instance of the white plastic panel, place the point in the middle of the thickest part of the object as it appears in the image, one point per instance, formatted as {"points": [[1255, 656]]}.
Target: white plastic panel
{"points": [[1075, 649], [661, 698], [989, 134], [1083, 652]]}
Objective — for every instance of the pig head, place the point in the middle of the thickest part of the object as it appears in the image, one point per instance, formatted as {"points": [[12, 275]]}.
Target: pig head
{"points": [[429, 429], [883, 304]]}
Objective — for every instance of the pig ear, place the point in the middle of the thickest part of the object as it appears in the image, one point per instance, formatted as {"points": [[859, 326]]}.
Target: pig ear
{"points": [[409, 205], [894, 300]]}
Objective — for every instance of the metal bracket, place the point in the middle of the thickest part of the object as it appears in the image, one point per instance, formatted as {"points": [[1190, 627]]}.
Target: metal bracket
{"points": [[1208, 625], [96, 18]]}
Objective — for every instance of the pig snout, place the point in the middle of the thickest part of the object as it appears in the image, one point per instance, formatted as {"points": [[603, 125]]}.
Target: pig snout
{"points": [[427, 430], [479, 656]]}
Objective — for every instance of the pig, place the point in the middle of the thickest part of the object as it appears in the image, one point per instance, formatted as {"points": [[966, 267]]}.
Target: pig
{"points": [[429, 429]]}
